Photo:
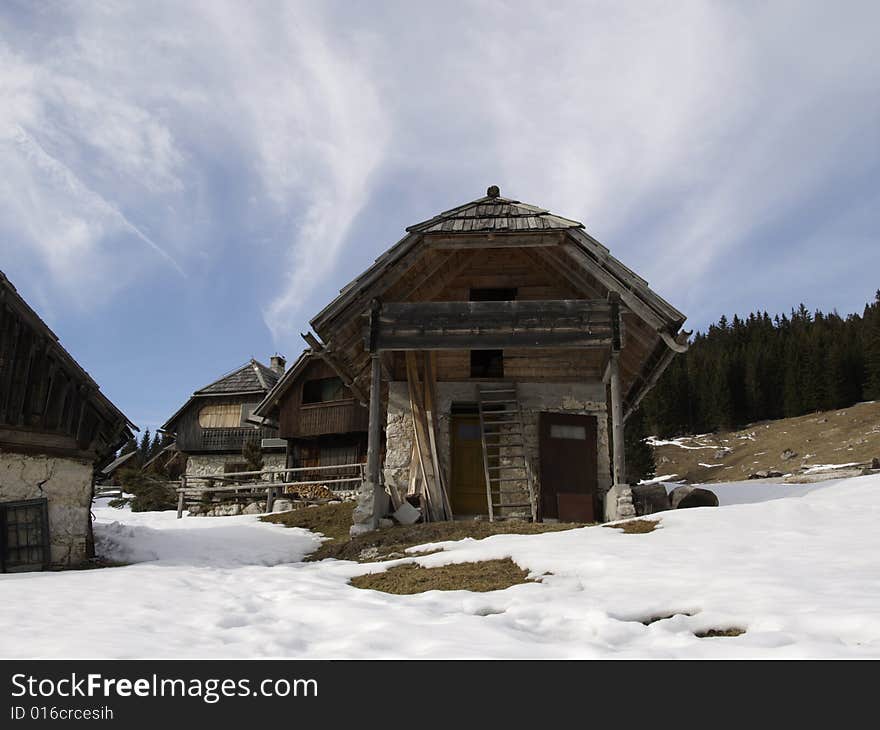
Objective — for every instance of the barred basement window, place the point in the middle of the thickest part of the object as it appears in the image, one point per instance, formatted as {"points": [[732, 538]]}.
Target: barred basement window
{"points": [[24, 535]]}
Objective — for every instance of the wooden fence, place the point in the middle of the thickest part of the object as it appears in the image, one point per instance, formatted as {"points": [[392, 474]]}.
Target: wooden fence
{"points": [[269, 483]]}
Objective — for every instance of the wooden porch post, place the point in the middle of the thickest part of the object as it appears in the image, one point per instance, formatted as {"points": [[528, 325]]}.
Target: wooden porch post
{"points": [[619, 459], [374, 437], [374, 432], [618, 454]]}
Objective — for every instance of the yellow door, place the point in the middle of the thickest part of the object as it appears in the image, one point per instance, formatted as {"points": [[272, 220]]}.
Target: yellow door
{"points": [[468, 478]]}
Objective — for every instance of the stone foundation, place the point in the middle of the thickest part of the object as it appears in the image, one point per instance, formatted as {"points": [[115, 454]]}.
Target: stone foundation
{"points": [[535, 398], [203, 465], [67, 485]]}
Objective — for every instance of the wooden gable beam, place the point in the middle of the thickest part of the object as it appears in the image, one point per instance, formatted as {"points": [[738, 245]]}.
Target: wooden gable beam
{"points": [[327, 356]]}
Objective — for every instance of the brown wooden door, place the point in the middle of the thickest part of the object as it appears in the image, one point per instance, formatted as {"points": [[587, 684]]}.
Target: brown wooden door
{"points": [[569, 463], [468, 488]]}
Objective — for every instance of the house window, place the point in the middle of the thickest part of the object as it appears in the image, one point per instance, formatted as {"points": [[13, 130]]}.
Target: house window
{"points": [[24, 535], [323, 390], [487, 363], [220, 415], [572, 433]]}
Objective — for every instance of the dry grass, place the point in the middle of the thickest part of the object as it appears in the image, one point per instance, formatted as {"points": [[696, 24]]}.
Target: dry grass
{"points": [[488, 575], [663, 617], [331, 520], [635, 527], [713, 633], [334, 521], [832, 437]]}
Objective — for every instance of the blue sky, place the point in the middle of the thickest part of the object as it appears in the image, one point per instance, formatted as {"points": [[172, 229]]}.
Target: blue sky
{"points": [[185, 184]]}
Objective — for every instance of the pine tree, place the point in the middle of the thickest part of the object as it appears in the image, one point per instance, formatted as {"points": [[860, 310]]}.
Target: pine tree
{"points": [[253, 455], [144, 448], [639, 455], [871, 344]]}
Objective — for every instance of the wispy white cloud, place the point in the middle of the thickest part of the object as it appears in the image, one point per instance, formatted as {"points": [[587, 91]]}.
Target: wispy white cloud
{"points": [[209, 135]]}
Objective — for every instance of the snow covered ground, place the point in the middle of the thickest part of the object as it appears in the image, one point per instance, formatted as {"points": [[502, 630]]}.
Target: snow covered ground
{"points": [[801, 574]]}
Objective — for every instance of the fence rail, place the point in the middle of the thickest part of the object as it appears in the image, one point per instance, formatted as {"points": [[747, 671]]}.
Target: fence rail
{"points": [[270, 482]]}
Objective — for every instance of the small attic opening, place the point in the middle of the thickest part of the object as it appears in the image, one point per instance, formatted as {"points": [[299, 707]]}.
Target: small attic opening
{"points": [[487, 363], [490, 363]]}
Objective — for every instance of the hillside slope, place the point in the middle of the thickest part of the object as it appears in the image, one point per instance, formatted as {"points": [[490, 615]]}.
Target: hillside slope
{"points": [[806, 448]]}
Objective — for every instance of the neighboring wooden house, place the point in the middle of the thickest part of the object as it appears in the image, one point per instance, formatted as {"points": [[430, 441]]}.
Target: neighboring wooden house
{"points": [[320, 420], [212, 427], [56, 430], [502, 348]]}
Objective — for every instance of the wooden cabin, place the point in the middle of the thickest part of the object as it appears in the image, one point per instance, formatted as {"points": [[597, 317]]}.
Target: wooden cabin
{"points": [[212, 427], [501, 349], [318, 417], [56, 430]]}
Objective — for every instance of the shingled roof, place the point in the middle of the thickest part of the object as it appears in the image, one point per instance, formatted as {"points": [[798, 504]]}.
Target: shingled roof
{"points": [[251, 377], [494, 213], [560, 245]]}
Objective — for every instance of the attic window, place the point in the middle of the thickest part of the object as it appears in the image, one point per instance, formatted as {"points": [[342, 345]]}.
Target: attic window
{"points": [[220, 415], [487, 363], [323, 390], [493, 295]]}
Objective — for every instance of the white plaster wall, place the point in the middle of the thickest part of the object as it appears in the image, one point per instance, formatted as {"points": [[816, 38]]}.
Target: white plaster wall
{"points": [[66, 484]]}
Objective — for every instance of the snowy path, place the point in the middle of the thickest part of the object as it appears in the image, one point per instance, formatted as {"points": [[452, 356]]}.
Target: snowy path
{"points": [[801, 574]]}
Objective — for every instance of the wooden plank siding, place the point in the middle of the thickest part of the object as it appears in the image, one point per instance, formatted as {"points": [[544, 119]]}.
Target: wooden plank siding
{"points": [[444, 276], [47, 402], [193, 438], [296, 419]]}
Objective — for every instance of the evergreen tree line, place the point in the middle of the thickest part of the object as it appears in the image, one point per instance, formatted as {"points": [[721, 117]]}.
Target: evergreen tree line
{"points": [[753, 369], [148, 446]]}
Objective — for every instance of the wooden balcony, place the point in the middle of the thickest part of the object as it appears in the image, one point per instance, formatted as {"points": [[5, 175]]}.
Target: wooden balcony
{"points": [[317, 419]]}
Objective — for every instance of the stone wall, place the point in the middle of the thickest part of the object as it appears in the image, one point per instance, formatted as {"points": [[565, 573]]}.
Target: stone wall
{"points": [[202, 465], [535, 398], [67, 485]]}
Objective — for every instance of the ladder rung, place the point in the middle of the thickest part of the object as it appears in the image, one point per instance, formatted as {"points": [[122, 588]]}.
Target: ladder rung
{"points": [[506, 479], [514, 504], [493, 391], [498, 468]]}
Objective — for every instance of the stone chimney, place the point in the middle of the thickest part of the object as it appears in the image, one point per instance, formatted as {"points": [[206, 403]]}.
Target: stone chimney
{"points": [[278, 363]]}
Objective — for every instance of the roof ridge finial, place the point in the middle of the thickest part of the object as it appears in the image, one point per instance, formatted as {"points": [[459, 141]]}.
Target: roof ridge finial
{"points": [[493, 192]]}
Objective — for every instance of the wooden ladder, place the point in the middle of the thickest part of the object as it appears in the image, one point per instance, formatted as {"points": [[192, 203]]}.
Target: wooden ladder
{"points": [[504, 456]]}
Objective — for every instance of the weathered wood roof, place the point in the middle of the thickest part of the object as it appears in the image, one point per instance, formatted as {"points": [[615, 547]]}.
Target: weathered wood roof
{"points": [[560, 247], [110, 413], [118, 462], [494, 213], [580, 251], [251, 377], [267, 407]]}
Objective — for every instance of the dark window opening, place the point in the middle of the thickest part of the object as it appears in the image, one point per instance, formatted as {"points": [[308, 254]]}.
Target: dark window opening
{"points": [[323, 390], [487, 363], [493, 295], [24, 535]]}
